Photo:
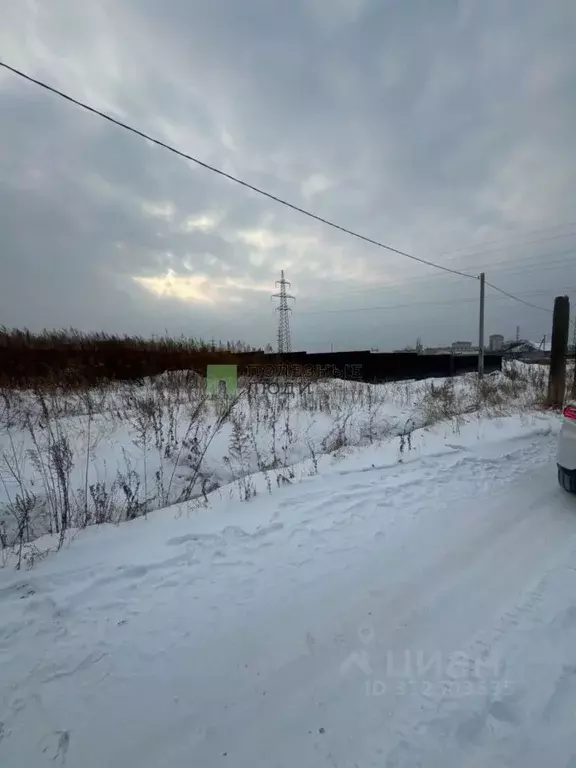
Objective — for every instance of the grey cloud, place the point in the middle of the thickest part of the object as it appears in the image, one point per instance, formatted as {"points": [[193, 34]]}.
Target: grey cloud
{"points": [[435, 126]]}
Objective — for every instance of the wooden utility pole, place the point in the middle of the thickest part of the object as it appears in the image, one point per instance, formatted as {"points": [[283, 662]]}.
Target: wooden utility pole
{"points": [[481, 326], [560, 329]]}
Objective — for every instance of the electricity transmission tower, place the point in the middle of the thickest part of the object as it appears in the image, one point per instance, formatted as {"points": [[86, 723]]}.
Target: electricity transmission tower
{"points": [[284, 340]]}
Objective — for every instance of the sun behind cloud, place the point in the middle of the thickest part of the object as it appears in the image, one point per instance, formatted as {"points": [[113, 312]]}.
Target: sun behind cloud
{"points": [[183, 287], [199, 288]]}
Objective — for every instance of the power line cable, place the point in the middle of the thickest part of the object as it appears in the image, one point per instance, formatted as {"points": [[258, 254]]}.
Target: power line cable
{"points": [[532, 265], [529, 269], [516, 298], [262, 192], [486, 266], [521, 265], [512, 266], [279, 200], [228, 176], [453, 255], [491, 265], [526, 233], [445, 303], [521, 259], [389, 306]]}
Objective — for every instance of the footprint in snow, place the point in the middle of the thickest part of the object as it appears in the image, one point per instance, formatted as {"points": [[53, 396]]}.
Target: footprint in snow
{"points": [[60, 749]]}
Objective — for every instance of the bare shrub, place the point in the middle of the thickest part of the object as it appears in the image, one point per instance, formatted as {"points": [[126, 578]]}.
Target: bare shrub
{"points": [[239, 454], [438, 402], [55, 432], [53, 459], [338, 437]]}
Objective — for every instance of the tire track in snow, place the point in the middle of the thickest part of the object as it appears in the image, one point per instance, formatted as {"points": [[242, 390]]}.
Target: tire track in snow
{"points": [[366, 508]]}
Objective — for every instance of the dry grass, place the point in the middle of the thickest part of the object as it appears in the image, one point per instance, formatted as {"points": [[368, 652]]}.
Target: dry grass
{"points": [[173, 425], [72, 360], [16, 338]]}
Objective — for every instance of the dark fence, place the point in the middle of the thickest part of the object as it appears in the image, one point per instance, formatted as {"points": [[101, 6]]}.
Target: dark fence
{"points": [[118, 361], [365, 365]]}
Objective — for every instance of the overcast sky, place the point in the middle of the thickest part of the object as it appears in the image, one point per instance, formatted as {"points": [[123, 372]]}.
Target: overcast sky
{"points": [[445, 128]]}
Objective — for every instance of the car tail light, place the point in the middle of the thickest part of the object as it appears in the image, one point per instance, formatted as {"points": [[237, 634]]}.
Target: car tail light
{"points": [[570, 412]]}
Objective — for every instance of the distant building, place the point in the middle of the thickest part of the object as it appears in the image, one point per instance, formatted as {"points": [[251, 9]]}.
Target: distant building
{"points": [[438, 351], [462, 347], [496, 342], [456, 348], [527, 350]]}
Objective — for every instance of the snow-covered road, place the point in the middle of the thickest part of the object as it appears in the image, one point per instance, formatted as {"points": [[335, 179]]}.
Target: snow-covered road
{"points": [[387, 614]]}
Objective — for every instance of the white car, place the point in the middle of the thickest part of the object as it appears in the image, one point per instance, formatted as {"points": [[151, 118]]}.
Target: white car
{"points": [[566, 458]]}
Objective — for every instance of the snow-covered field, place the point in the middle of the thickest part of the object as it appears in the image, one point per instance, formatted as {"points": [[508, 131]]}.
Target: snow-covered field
{"points": [[406, 602], [117, 453], [380, 613]]}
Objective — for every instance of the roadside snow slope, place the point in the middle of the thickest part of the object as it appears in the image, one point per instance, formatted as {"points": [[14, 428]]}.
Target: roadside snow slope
{"points": [[383, 613]]}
